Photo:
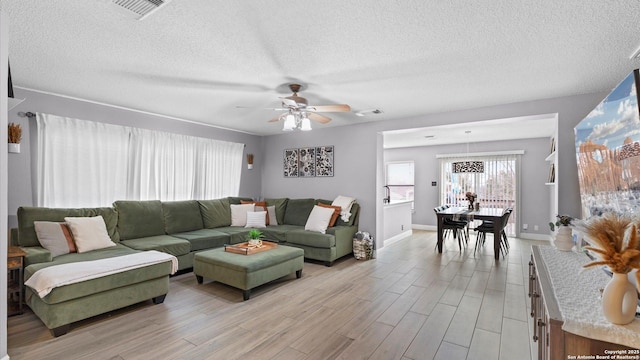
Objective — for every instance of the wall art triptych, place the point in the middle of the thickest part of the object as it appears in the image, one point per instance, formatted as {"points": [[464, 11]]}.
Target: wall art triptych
{"points": [[309, 162]]}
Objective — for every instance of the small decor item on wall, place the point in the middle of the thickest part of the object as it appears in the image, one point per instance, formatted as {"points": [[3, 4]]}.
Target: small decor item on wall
{"points": [[291, 163], [615, 242], [249, 161], [324, 161], [308, 162], [15, 135]]}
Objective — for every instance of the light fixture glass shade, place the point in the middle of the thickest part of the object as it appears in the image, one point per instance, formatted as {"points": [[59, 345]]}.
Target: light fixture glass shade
{"points": [[289, 123], [468, 167], [306, 124]]}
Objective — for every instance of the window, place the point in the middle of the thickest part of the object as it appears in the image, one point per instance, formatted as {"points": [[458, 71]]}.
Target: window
{"points": [[89, 164], [496, 186], [400, 181]]}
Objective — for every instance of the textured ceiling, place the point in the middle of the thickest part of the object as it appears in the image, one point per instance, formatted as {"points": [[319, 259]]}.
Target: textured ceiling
{"points": [[199, 59]]}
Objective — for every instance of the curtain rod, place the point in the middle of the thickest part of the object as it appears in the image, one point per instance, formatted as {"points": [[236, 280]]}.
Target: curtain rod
{"points": [[26, 114]]}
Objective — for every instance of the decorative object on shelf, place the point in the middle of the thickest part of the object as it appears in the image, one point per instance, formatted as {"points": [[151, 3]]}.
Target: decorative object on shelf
{"points": [[15, 136], [615, 242], [249, 161], [471, 197], [308, 162], [563, 240]]}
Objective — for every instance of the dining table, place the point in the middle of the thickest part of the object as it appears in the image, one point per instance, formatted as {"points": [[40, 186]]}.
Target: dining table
{"points": [[483, 213]]}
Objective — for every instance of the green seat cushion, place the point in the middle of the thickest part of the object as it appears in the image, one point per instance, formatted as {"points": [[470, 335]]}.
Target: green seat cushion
{"points": [[27, 215], [181, 216], [165, 243], [249, 263], [278, 233], [139, 219], [298, 210], [237, 234], [204, 238], [311, 238], [105, 283], [215, 213], [281, 207]]}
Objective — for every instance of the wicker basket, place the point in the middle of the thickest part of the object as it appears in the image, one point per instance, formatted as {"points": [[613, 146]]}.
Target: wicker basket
{"points": [[363, 246]]}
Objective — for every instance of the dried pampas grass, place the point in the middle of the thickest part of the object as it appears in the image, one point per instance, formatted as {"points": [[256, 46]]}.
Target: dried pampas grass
{"points": [[615, 241]]}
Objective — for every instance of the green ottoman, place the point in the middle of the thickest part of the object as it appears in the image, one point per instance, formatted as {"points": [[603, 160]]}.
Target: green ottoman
{"points": [[246, 272]]}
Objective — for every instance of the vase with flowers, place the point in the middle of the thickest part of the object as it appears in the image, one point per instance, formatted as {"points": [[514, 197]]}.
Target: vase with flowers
{"points": [[563, 240], [614, 240], [471, 197]]}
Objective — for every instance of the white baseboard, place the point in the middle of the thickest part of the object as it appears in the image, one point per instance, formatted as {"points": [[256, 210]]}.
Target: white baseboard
{"points": [[397, 238], [424, 227], [6, 357], [530, 236]]}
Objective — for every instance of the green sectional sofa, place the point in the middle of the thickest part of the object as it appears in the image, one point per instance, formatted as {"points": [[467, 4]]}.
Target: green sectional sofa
{"points": [[179, 228]]}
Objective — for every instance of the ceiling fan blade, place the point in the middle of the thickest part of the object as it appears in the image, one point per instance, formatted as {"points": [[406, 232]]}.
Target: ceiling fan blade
{"points": [[275, 119], [289, 102], [330, 108], [319, 118], [251, 107]]}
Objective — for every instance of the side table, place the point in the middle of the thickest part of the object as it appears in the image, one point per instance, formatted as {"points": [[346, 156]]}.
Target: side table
{"points": [[15, 294]]}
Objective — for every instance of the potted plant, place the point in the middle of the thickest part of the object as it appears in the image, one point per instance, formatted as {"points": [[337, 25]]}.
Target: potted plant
{"points": [[255, 237], [564, 239], [15, 135]]}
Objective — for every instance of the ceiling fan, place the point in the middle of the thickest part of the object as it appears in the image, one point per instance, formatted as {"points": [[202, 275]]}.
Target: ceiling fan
{"points": [[298, 112]]}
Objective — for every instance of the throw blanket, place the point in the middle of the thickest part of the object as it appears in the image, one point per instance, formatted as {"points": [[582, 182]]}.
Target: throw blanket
{"points": [[45, 280], [345, 203]]}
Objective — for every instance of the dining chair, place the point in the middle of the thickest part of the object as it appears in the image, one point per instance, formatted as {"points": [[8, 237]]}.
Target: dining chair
{"points": [[487, 227], [455, 227]]}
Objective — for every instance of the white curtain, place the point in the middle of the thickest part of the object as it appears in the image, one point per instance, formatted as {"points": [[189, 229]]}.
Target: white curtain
{"points": [[80, 163], [85, 163]]}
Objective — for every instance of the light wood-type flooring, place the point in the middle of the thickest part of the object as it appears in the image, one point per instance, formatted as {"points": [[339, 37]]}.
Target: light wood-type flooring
{"points": [[409, 303]]}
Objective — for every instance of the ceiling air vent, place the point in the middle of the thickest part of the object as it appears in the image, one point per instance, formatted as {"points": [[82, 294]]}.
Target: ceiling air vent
{"points": [[140, 9]]}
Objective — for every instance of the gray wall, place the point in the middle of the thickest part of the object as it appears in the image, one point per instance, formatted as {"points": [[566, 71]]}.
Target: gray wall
{"points": [[20, 165], [534, 173], [357, 171]]}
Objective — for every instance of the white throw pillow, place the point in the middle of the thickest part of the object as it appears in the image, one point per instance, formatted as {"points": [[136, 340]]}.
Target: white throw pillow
{"points": [[239, 214], [55, 237], [271, 211], [318, 220], [256, 219], [89, 233]]}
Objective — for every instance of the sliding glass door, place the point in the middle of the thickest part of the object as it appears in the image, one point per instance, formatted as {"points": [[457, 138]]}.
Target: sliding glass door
{"points": [[495, 183]]}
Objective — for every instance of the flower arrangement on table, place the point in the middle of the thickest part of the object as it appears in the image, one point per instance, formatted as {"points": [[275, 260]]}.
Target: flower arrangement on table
{"points": [[471, 197], [614, 240]]}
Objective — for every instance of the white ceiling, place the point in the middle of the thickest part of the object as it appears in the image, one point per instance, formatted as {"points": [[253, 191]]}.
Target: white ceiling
{"points": [[199, 59]]}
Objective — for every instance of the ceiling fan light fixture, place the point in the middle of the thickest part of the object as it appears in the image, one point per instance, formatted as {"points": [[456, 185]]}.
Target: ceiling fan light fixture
{"points": [[289, 123], [305, 124]]}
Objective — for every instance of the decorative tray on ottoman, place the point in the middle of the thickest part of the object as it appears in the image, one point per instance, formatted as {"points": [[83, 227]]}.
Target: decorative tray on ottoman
{"points": [[246, 249]]}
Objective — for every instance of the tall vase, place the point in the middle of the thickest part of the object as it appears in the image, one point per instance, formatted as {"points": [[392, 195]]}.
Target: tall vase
{"points": [[619, 300], [563, 240]]}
